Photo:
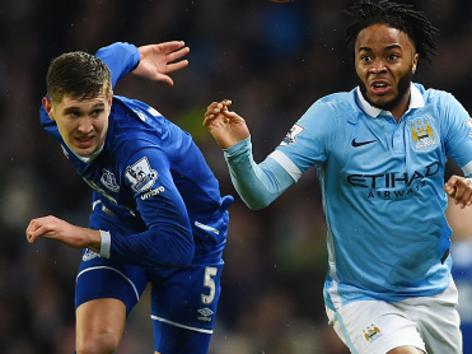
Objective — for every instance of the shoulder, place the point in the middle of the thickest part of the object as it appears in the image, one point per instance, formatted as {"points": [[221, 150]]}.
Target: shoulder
{"points": [[133, 126], [436, 97], [129, 107], [332, 108], [136, 127], [131, 119]]}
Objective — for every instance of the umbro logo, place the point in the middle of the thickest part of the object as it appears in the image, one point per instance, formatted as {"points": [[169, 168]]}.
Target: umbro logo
{"points": [[355, 143]]}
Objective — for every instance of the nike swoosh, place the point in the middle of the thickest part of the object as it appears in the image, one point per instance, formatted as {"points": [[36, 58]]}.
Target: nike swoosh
{"points": [[360, 143]]}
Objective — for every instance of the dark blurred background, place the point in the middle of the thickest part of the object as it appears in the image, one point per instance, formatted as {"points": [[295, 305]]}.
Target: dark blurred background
{"points": [[273, 61]]}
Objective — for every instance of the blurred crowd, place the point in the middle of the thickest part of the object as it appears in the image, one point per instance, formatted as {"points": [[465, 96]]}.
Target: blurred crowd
{"points": [[273, 60]]}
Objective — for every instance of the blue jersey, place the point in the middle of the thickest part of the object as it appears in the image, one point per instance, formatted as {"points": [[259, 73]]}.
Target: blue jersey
{"points": [[154, 178], [382, 184]]}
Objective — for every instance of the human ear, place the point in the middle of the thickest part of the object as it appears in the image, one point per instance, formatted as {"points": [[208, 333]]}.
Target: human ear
{"points": [[47, 104], [414, 63]]}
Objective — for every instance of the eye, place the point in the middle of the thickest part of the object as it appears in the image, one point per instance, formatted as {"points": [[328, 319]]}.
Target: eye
{"points": [[365, 59], [393, 57], [73, 114], [96, 112]]}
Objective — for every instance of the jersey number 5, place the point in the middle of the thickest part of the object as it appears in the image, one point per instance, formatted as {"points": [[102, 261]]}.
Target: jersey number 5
{"points": [[209, 282]]}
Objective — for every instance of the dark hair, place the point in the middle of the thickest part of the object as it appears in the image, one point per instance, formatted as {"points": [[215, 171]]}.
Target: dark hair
{"points": [[78, 74], [400, 16]]}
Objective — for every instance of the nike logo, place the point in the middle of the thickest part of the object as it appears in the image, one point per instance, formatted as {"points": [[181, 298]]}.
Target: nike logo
{"points": [[355, 143]]}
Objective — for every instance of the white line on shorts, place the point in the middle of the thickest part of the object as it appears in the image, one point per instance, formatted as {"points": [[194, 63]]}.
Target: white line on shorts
{"points": [[113, 269], [172, 323]]}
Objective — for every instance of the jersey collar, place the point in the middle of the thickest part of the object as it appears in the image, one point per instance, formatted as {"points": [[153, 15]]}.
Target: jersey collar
{"points": [[416, 101]]}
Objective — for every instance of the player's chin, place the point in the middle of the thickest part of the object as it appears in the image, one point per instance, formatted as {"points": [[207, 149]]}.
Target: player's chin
{"points": [[384, 102], [85, 151]]}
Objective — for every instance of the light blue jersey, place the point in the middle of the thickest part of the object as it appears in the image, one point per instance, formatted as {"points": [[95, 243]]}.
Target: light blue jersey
{"points": [[382, 184]]}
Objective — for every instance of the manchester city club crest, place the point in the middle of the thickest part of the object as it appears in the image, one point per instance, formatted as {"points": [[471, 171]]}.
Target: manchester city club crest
{"points": [[423, 134], [372, 332]]}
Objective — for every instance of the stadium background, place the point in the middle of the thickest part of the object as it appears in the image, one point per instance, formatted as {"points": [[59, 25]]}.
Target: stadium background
{"points": [[273, 61]]}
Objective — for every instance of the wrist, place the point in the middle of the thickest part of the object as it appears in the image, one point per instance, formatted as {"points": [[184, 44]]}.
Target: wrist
{"points": [[105, 244]]}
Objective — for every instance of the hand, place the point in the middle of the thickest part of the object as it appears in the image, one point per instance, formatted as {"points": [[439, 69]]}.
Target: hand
{"points": [[460, 189], [62, 231], [227, 128], [159, 60]]}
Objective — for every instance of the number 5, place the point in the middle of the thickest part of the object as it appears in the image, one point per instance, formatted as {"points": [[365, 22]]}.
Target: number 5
{"points": [[209, 283]]}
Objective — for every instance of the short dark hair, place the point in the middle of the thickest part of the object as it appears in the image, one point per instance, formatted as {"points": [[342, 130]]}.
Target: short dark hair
{"points": [[400, 16], [77, 74]]}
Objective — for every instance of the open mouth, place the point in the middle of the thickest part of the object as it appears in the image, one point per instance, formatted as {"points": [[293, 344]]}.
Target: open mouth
{"points": [[380, 87], [84, 142]]}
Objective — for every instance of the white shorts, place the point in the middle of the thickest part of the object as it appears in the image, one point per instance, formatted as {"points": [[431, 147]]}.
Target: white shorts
{"points": [[430, 324]]}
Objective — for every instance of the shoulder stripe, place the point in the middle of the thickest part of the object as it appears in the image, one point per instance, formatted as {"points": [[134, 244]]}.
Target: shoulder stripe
{"points": [[287, 164]]}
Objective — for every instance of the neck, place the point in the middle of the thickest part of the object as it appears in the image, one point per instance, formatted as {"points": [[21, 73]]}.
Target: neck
{"points": [[87, 158], [401, 107]]}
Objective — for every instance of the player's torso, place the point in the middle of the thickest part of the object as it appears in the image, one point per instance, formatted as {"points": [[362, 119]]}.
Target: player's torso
{"points": [[122, 174], [380, 159], [110, 174], [384, 201]]}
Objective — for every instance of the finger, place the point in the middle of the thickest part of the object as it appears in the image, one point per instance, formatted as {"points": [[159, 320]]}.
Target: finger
{"points": [[170, 46], [29, 237], [449, 189], [210, 107], [458, 195], [30, 226], [33, 235], [461, 188], [226, 102], [170, 68], [176, 55], [466, 196], [166, 79], [208, 120], [217, 108], [213, 119], [34, 225], [233, 116]]}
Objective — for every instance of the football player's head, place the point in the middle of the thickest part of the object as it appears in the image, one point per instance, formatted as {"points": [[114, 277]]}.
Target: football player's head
{"points": [[79, 100]]}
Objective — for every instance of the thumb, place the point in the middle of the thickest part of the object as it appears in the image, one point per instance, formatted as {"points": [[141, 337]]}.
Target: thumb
{"points": [[166, 79]]}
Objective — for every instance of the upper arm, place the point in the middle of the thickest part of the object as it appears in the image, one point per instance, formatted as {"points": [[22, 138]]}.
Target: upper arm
{"points": [[308, 142], [121, 58], [157, 198], [458, 133]]}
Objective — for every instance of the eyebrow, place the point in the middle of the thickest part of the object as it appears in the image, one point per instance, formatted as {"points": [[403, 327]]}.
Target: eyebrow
{"points": [[392, 46], [74, 109]]}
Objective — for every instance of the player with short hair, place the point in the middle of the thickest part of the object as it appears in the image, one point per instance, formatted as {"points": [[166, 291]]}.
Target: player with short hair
{"points": [[380, 151], [157, 214]]}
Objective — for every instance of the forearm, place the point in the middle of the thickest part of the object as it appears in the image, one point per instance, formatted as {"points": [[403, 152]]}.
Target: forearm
{"points": [[257, 185], [92, 239], [168, 245]]}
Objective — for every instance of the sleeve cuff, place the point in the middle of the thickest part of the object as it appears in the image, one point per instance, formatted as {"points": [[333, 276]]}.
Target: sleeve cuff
{"points": [[237, 148], [105, 244]]}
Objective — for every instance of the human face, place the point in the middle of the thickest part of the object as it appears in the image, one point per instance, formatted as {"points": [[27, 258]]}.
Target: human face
{"points": [[385, 60], [82, 123]]}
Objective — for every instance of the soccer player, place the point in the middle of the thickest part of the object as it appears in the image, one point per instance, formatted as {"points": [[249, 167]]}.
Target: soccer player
{"points": [[157, 214], [380, 152]]}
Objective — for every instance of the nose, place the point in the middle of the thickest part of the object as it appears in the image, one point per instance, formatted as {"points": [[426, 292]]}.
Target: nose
{"points": [[378, 66], [85, 125]]}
